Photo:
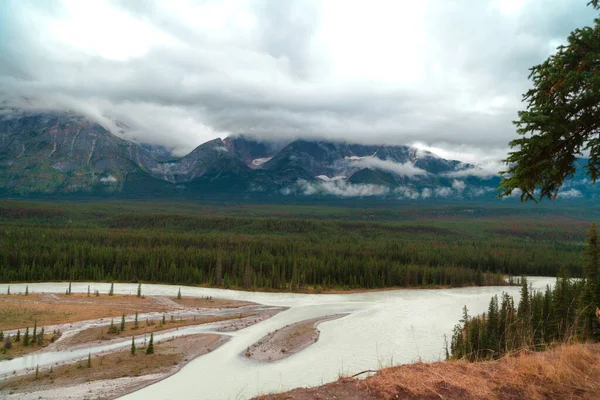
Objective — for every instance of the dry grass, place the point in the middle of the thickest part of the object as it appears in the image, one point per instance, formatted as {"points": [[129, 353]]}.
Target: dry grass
{"points": [[567, 372], [18, 350], [152, 326], [20, 311], [167, 355]]}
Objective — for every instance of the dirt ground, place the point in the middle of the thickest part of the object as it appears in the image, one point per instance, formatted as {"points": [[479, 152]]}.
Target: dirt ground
{"points": [[73, 379], [568, 372], [19, 311], [288, 340], [144, 327]]}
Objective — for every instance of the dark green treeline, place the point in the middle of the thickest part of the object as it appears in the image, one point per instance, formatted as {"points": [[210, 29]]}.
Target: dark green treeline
{"points": [[565, 313], [277, 253]]}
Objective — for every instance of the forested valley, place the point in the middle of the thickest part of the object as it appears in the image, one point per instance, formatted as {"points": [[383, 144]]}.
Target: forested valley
{"points": [[296, 248]]}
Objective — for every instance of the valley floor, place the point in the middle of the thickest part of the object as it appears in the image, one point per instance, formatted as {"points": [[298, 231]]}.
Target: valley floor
{"points": [[567, 372]]}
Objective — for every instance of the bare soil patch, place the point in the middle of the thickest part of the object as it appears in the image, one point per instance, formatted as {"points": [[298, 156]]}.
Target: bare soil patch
{"points": [[288, 340]]}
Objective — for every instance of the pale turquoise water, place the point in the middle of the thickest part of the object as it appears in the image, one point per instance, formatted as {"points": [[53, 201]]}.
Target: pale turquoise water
{"points": [[382, 328]]}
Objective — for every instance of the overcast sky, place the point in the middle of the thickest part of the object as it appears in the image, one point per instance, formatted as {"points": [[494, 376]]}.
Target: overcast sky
{"points": [[448, 74]]}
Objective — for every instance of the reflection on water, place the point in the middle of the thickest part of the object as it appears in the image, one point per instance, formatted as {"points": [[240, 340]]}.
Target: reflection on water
{"points": [[383, 328]]}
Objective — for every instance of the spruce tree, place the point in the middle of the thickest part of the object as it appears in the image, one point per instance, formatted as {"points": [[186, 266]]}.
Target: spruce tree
{"points": [[112, 329], [18, 337], [69, 290], [139, 290], [135, 322], [89, 360], [8, 290], [164, 320], [588, 299], [123, 322], [179, 294], [34, 337], [112, 289], [150, 348], [40, 338], [88, 291], [7, 342], [1, 335], [26, 337], [219, 270], [27, 290], [133, 348], [37, 371]]}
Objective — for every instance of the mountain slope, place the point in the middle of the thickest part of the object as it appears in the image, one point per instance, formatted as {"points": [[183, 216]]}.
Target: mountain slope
{"points": [[65, 154]]}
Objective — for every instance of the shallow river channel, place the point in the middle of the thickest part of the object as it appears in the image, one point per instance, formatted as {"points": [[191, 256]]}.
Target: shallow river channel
{"points": [[381, 329]]}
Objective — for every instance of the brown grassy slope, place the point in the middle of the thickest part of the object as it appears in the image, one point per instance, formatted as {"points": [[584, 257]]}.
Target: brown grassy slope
{"points": [[20, 311], [568, 372]]}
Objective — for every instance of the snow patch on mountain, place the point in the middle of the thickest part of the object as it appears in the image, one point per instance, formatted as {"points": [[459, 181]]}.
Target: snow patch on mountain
{"points": [[258, 162]]}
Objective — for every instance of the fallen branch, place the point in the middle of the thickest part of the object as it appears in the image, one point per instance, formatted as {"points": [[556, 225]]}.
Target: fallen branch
{"points": [[363, 372]]}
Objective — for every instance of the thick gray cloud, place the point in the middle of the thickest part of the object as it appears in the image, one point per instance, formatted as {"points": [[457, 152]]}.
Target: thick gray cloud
{"points": [[446, 74]]}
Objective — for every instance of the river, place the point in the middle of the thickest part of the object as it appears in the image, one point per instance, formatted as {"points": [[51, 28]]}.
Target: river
{"points": [[381, 329]]}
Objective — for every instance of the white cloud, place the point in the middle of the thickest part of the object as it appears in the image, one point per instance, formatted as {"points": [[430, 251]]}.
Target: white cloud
{"points": [[426, 193], [108, 179], [339, 188], [459, 186], [443, 192], [183, 72], [476, 192], [403, 169], [570, 194], [407, 192]]}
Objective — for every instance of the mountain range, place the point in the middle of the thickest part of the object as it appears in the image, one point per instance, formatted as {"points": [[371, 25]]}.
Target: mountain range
{"points": [[62, 154]]}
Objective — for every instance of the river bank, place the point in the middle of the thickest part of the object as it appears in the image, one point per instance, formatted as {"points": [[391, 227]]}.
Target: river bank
{"points": [[567, 372], [111, 375], [288, 340]]}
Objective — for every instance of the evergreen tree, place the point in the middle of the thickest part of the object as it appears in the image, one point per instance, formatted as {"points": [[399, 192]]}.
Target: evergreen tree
{"points": [[139, 290], [135, 322], [123, 322], [37, 371], [1, 335], [219, 270], [89, 360], [69, 290], [588, 299], [40, 338], [7, 342], [247, 274], [164, 320], [150, 348], [27, 290], [88, 291], [112, 289], [26, 337], [8, 290], [560, 121], [179, 294], [133, 348], [112, 329], [18, 338], [34, 337]]}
